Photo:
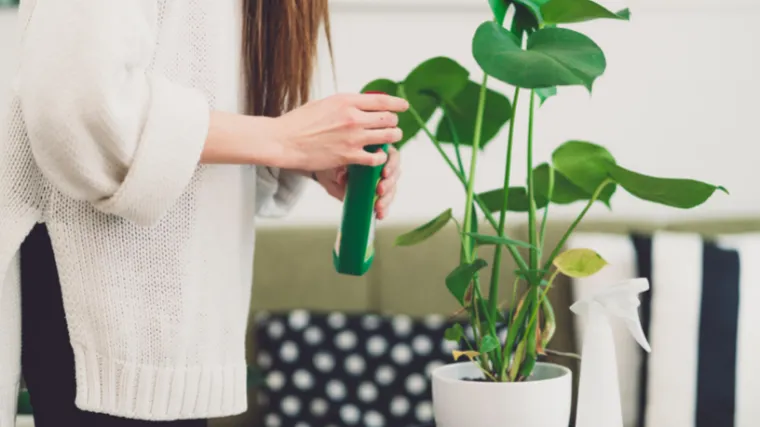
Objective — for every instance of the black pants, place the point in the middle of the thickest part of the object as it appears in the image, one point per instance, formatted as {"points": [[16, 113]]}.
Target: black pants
{"points": [[47, 356]]}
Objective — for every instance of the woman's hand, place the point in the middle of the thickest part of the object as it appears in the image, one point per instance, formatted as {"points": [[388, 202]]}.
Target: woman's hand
{"points": [[332, 132], [334, 181]]}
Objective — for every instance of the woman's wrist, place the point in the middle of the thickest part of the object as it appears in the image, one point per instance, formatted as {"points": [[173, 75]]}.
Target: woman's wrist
{"points": [[252, 140]]}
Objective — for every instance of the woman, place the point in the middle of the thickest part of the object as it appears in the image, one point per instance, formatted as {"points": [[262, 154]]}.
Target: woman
{"points": [[127, 183]]}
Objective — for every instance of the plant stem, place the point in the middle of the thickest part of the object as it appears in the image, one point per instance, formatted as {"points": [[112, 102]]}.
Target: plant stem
{"points": [[521, 264], [513, 303], [474, 159], [493, 293], [455, 138], [546, 212], [575, 223], [543, 296], [531, 191]]}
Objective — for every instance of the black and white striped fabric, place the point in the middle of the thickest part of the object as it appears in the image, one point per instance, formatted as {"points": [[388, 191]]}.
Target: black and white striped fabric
{"points": [[703, 370]]}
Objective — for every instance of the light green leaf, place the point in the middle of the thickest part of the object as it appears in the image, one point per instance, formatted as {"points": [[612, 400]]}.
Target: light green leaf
{"points": [[424, 232], [488, 344], [573, 11], [579, 263], [483, 239], [677, 193], [458, 281], [585, 165], [554, 57], [454, 333], [462, 112]]}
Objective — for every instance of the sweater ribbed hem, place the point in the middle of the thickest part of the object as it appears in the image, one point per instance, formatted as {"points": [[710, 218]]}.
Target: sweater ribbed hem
{"points": [[158, 393], [8, 404]]}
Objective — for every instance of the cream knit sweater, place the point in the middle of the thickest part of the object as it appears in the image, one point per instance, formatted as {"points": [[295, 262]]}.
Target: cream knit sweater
{"points": [[109, 115]]}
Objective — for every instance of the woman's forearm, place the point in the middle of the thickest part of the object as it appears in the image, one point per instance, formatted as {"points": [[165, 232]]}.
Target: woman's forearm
{"points": [[319, 135], [238, 139]]}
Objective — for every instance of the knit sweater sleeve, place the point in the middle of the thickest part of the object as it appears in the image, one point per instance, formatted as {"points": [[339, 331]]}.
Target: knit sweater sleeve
{"points": [[277, 191], [103, 127]]}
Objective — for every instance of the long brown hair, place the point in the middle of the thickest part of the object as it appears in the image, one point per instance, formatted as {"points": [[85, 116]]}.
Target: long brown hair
{"points": [[280, 41]]}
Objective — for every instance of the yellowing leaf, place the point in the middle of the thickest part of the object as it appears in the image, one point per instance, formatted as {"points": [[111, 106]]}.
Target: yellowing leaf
{"points": [[579, 263], [469, 354]]}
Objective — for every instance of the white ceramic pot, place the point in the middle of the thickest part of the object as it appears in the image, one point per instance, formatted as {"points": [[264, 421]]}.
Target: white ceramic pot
{"points": [[543, 401]]}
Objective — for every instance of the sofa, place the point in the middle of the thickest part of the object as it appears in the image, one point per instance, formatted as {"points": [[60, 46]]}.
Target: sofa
{"points": [[293, 270]]}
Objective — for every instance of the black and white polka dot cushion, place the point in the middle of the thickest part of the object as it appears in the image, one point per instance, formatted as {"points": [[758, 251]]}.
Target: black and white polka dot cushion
{"points": [[335, 370]]}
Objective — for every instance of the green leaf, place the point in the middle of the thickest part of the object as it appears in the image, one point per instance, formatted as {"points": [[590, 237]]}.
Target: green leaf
{"points": [[499, 8], [424, 232], [440, 77], [579, 263], [534, 6], [432, 82], [584, 164], [459, 280], [554, 57], [565, 192], [484, 239], [573, 11], [488, 344], [454, 333], [545, 93], [463, 111], [524, 22], [518, 200], [624, 14], [677, 193]]}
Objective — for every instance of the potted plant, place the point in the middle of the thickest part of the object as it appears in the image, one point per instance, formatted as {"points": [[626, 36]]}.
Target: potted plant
{"points": [[503, 383]]}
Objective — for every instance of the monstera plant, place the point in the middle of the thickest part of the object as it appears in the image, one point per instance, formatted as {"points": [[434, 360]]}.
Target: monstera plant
{"points": [[535, 54]]}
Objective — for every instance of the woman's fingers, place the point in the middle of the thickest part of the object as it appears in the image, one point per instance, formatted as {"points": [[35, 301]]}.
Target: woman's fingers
{"points": [[379, 102], [379, 120], [365, 158], [381, 136], [394, 162], [384, 203]]}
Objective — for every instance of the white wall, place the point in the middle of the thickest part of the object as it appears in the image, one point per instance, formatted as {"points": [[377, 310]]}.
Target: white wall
{"points": [[679, 98]]}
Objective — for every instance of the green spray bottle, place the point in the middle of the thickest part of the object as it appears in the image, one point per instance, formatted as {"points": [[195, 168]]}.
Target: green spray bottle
{"points": [[355, 246]]}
